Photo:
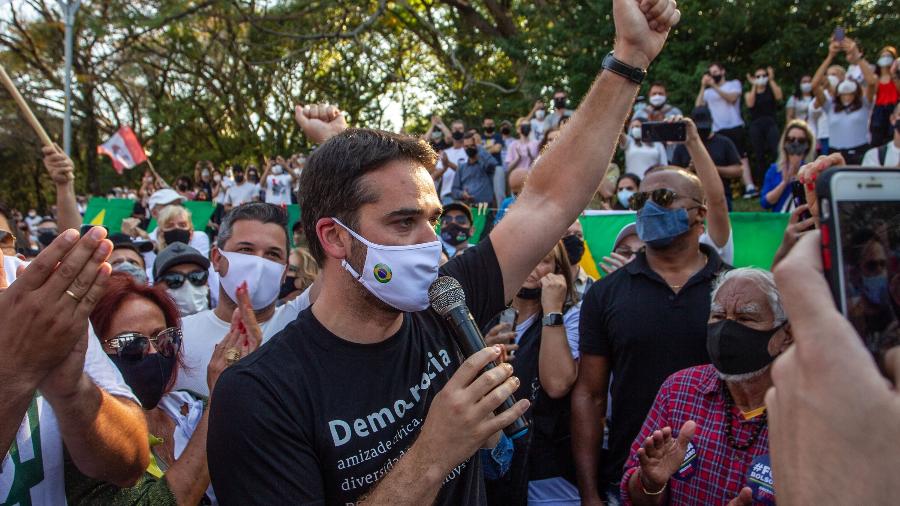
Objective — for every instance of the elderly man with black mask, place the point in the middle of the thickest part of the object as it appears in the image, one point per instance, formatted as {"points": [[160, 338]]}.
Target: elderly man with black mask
{"points": [[721, 452]]}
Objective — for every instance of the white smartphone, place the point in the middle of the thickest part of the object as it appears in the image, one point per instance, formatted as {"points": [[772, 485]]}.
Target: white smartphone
{"points": [[860, 215]]}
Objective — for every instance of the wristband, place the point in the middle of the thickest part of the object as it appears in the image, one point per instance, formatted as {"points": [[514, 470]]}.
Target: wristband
{"points": [[616, 66], [644, 489]]}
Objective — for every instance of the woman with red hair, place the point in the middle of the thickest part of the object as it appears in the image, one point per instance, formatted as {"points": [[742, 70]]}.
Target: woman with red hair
{"points": [[139, 328]]}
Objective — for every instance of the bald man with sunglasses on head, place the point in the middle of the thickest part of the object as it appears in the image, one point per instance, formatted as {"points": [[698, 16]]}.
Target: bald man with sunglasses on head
{"points": [[647, 319]]}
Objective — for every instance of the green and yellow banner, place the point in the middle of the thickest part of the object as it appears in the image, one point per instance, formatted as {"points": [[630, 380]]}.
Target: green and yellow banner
{"points": [[756, 235]]}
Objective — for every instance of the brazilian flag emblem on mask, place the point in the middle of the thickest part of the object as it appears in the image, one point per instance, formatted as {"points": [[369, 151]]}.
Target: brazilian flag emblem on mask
{"points": [[382, 273]]}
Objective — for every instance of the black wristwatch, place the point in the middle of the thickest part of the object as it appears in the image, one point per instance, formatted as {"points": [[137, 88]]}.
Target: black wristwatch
{"points": [[633, 74], [553, 320]]}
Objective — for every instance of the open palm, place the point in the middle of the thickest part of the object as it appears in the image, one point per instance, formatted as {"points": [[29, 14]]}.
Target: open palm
{"points": [[661, 454]]}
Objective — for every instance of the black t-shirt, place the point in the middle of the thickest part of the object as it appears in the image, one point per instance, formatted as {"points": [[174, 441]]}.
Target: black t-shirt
{"points": [[765, 105], [311, 418], [721, 149], [647, 332]]}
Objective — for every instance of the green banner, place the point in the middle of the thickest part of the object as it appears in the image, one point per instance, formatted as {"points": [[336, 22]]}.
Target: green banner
{"points": [[756, 235]]}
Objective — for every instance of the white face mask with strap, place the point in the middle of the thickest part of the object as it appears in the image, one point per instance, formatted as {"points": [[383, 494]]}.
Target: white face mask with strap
{"points": [[398, 275], [263, 278]]}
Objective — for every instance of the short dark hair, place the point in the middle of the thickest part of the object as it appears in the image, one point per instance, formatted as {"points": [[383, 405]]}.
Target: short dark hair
{"points": [[237, 168], [716, 64], [256, 211], [297, 225], [331, 186], [658, 84]]}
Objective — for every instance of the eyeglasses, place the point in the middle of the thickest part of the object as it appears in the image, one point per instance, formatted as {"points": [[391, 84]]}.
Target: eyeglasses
{"points": [[795, 139], [459, 219], [174, 280], [133, 346], [663, 197]]}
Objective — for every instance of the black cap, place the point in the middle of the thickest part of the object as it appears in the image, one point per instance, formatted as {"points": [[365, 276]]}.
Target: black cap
{"points": [[459, 206], [121, 240], [176, 254], [702, 117]]}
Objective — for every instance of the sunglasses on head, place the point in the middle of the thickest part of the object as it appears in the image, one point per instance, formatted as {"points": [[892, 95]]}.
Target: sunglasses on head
{"points": [[459, 219], [174, 280], [663, 197], [134, 346]]}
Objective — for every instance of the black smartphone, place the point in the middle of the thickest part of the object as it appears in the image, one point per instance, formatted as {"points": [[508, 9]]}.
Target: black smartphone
{"points": [[860, 214], [663, 131], [839, 34], [799, 196]]}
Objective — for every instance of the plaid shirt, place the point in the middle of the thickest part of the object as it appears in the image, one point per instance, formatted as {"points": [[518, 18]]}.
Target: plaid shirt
{"points": [[719, 471]]}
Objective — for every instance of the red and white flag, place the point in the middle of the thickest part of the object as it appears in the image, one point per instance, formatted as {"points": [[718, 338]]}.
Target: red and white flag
{"points": [[124, 150]]}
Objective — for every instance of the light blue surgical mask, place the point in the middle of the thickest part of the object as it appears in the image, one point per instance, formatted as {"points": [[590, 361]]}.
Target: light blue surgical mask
{"points": [[875, 288], [624, 197], [658, 226], [136, 272]]}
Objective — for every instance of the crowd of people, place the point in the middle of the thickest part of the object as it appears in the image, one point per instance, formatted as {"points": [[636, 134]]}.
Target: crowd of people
{"points": [[256, 363]]}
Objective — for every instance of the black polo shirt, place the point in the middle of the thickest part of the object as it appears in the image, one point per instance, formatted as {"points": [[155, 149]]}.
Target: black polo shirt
{"points": [[647, 332]]}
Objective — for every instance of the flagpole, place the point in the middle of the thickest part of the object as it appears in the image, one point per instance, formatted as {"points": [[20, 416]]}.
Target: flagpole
{"points": [[153, 170], [25, 110]]}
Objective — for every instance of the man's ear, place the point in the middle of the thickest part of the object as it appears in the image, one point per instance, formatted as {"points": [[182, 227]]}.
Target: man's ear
{"points": [[219, 262], [333, 238], [788, 338]]}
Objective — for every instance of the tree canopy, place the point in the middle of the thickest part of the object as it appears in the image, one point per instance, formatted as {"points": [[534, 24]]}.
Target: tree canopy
{"points": [[218, 79]]}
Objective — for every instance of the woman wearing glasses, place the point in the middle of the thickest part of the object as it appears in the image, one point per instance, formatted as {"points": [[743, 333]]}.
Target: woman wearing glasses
{"points": [[139, 328], [797, 147]]}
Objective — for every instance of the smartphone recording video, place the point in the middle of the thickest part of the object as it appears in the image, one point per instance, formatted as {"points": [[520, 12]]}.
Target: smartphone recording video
{"points": [[663, 131], [861, 250]]}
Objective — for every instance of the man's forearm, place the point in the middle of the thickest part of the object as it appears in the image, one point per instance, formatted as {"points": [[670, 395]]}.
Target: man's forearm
{"points": [[14, 400], [189, 477], [106, 436], [587, 436], [67, 207], [717, 220], [729, 171], [413, 481]]}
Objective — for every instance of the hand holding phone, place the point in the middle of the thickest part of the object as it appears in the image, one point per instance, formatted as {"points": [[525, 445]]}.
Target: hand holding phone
{"points": [[663, 131], [839, 34]]}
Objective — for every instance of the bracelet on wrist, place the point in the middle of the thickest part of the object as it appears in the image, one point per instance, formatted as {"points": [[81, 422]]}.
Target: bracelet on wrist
{"points": [[644, 488]]}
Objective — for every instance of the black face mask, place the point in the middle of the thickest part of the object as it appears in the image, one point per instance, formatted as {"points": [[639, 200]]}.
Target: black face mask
{"points": [[287, 287], [45, 238], [525, 129], [717, 78], [796, 148], [182, 187], [737, 349], [505, 131], [147, 378], [177, 235], [454, 234], [253, 177], [559, 103], [574, 248], [457, 135], [897, 126], [489, 130], [238, 178], [704, 133], [529, 293], [471, 152]]}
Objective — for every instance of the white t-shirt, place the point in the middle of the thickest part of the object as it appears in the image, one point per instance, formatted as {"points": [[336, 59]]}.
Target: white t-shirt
{"points": [[640, 157], [848, 129], [537, 130], [724, 115], [819, 122], [891, 158], [226, 183], [726, 251], [278, 189], [11, 265], [800, 106], [204, 330], [242, 193], [37, 468], [457, 156], [186, 412]]}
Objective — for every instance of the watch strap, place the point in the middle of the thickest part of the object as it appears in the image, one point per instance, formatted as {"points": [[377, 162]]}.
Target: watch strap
{"points": [[616, 66], [552, 320]]}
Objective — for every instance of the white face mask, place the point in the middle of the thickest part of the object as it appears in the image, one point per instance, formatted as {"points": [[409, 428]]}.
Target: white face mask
{"points": [[833, 81], [635, 133], [398, 275], [762, 81], [263, 278], [885, 60], [217, 178], [539, 114], [624, 197], [277, 170], [806, 87], [657, 100], [190, 299]]}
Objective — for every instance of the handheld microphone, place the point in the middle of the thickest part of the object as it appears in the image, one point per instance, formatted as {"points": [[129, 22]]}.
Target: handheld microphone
{"points": [[448, 300]]}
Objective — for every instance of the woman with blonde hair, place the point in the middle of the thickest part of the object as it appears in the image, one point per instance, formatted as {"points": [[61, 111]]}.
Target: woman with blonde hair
{"points": [[796, 148], [175, 225]]}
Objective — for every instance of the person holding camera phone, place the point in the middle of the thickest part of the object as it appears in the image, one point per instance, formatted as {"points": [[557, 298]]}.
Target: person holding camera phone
{"points": [[543, 347], [639, 155], [797, 147], [763, 101]]}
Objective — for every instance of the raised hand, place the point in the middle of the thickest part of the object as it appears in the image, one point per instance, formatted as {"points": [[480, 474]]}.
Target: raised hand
{"points": [[661, 455], [247, 323], [744, 498], [642, 27], [501, 335], [810, 172], [320, 122], [553, 293], [614, 262], [58, 165]]}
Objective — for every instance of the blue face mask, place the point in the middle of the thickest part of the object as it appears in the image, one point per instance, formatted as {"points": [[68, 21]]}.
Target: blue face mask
{"points": [[658, 226], [875, 288]]}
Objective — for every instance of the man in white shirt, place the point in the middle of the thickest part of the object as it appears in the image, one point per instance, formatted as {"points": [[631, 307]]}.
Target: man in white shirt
{"points": [[887, 155], [242, 191], [252, 248], [450, 160], [723, 98], [278, 182], [57, 388]]}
